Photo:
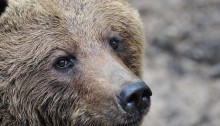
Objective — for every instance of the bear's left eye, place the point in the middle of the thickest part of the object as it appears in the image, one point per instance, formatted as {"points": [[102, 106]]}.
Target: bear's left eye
{"points": [[63, 63], [114, 42]]}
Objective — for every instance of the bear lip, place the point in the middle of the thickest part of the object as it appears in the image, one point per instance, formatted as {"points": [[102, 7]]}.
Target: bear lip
{"points": [[132, 122]]}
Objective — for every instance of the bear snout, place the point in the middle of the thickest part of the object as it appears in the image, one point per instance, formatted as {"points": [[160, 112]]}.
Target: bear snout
{"points": [[134, 98]]}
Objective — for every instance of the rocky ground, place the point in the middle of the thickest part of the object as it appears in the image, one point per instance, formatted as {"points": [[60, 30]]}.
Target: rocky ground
{"points": [[182, 64]]}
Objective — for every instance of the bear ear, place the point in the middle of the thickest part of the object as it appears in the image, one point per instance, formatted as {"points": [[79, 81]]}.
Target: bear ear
{"points": [[3, 5]]}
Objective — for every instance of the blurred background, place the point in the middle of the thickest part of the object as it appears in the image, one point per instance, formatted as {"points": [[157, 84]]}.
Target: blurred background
{"points": [[182, 61]]}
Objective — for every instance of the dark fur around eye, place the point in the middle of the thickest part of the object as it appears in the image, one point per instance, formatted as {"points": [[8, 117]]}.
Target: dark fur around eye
{"points": [[64, 64]]}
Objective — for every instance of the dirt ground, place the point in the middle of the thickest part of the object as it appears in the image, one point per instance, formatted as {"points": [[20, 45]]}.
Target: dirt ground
{"points": [[182, 64]]}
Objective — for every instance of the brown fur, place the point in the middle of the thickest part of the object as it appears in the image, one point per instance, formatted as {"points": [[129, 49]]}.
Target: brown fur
{"points": [[35, 32]]}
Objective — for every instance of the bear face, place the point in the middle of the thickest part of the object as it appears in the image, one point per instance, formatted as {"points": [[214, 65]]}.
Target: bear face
{"points": [[71, 62]]}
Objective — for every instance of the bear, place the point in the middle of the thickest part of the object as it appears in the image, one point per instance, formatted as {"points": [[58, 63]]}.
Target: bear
{"points": [[71, 63]]}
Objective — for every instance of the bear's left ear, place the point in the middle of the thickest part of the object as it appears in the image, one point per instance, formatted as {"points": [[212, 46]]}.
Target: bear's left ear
{"points": [[3, 5]]}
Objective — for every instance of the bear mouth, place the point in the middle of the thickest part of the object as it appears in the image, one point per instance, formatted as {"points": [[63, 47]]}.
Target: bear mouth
{"points": [[128, 119], [133, 123], [117, 117]]}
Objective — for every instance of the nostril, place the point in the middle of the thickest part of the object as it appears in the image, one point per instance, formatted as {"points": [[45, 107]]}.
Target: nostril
{"points": [[132, 98]]}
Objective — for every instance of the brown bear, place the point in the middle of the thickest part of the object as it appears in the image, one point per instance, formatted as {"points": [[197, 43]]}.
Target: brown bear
{"points": [[71, 63]]}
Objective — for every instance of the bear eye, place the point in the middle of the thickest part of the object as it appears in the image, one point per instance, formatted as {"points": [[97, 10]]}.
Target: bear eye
{"points": [[114, 42], [63, 63]]}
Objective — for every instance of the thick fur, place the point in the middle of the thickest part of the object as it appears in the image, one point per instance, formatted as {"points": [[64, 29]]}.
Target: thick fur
{"points": [[33, 33]]}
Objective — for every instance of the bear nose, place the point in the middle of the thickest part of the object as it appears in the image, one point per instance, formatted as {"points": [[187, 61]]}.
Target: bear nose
{"points": [[135, 97]]}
